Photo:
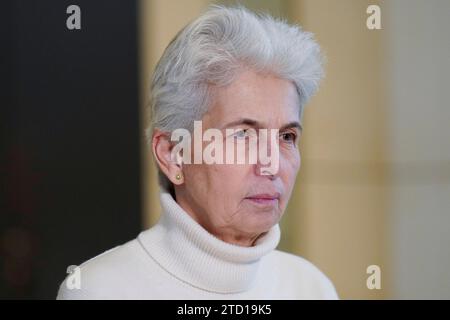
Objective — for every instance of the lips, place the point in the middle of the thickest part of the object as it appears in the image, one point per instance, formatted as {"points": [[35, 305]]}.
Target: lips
{"points": [[264, 198]]}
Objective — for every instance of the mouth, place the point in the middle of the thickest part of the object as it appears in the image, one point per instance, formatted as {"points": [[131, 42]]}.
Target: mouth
{"points": [[264, 199]]}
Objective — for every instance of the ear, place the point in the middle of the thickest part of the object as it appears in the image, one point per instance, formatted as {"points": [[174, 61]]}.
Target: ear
{"points": [[162, 150]]}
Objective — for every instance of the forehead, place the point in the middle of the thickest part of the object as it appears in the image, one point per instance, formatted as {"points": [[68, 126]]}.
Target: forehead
{"points": [[266, 98]]}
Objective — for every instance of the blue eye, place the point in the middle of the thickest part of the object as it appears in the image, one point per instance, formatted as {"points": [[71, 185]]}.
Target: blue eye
{"points": [[241, 133], [289, 137]]}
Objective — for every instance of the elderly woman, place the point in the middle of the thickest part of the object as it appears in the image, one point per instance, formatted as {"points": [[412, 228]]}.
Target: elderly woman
{"points": [[216, 238]]}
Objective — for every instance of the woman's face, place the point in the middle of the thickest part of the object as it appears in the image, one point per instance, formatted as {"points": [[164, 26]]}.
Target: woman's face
{"points": [[238, 202]]}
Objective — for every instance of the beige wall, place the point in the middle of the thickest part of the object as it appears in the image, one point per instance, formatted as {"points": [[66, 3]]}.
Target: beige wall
{"points": [[339, 205], [419, 147]]}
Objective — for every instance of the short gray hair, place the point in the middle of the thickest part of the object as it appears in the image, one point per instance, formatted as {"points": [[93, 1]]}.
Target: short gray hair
{"points": [[210, 51]]}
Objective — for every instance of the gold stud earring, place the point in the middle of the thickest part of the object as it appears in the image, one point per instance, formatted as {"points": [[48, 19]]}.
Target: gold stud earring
{"points": [[178, 176]]}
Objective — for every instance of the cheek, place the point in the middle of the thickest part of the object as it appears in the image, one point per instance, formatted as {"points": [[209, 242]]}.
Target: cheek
{"points": [[234, 175], [230, 182], [195, 178], [291, 166], [218, 176]]}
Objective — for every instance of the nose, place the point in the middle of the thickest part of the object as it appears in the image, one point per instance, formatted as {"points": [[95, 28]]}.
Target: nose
{"points": [[265, 172], [268, 159]]}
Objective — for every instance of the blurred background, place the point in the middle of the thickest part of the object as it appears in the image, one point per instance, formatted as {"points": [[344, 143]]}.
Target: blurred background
{"points": [[373, 189]]}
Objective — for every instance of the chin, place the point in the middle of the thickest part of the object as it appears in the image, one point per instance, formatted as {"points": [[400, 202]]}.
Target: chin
{"points": [[262, 221]]}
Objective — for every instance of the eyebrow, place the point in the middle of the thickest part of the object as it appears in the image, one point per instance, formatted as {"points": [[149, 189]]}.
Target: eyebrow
{"points": [[256, 124]]}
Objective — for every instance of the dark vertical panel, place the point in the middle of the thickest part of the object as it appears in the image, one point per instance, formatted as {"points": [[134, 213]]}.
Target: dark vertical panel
{"points": [[71, 153]]}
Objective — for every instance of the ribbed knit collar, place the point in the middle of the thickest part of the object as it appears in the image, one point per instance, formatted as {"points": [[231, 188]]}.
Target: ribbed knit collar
{"points": [[190, 253]]}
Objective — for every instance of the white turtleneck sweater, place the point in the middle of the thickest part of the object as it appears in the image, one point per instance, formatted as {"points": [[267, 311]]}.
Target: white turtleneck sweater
{"points": [[179, 259]]}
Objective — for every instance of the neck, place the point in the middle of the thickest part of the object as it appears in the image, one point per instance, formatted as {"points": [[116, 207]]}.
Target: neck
{"points": [[238, 240]]}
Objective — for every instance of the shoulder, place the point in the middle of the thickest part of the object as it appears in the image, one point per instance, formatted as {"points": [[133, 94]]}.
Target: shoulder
{"points": [[104, 276], [303, 278]]}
